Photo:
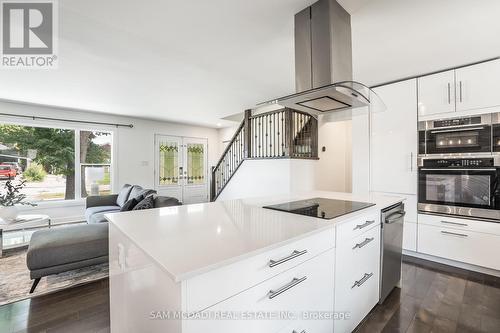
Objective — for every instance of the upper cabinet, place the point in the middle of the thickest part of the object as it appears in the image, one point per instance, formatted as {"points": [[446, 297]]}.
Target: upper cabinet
{"points": [[478, 86], [394, 139], [436, 93], [467, 88]]}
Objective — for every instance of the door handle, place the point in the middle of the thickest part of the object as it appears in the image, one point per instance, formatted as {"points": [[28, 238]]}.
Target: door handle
{"points": [[365, 278], [455, 223], [454, 234], [273, 293], [449, 93], [460, 84], [295, 254], [364, 225], [392, 218], [363, 243]]}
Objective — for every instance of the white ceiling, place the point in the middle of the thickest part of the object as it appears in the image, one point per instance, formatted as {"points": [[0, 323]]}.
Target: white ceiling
{"points": [[190, 61]]}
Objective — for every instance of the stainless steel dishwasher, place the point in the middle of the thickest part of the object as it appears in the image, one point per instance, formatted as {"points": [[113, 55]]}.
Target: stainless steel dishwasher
{"points": [[391, 249]]}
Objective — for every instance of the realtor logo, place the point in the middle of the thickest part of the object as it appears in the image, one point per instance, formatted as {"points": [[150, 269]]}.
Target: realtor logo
{"points": [[28, 34]]}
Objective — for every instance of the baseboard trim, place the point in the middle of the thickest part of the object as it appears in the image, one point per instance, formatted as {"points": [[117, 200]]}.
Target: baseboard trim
{"points": [[452, 267]]}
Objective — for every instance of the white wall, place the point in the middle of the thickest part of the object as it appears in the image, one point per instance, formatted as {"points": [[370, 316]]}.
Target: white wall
{"points": [[263, 177], [333, 170], [224, 136], [134, 155], [393, 39]]}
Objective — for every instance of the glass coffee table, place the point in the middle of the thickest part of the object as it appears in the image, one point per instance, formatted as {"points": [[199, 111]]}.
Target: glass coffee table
{"points": [[21, 229]]}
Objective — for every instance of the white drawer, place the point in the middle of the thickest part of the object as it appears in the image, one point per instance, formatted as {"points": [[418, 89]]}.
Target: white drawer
{"points": [[362, 250], [307, 287], [355, 297], [466, 246], [459, 223], [210, 288], [357, 226]]}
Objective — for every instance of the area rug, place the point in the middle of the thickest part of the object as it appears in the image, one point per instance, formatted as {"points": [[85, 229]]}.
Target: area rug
{"points": [[15, 282]]}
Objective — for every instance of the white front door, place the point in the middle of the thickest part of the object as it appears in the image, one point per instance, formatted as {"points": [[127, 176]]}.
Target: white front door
{"points": [[181, 168]]}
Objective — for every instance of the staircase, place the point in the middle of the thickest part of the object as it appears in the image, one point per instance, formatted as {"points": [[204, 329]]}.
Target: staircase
{"points": [[283, 133]]}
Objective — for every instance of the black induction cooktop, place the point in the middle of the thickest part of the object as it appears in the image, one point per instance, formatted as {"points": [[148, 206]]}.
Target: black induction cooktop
{"points": [[321, 207]]}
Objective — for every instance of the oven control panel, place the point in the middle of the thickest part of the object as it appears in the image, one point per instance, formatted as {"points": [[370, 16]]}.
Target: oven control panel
{"points": [[457, 122], [459, 163]]}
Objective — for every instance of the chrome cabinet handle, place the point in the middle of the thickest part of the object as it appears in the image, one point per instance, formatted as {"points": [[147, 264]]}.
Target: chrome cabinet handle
{"points": [[295, 254], [449, 93], [454, 234], [455, 223], [273, 293], [303, 331], [365, 278], [364, 225], [363, 243], [411, 162], [460, 84]]}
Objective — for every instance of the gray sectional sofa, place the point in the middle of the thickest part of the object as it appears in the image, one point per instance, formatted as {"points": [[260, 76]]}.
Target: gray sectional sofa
{"points": [[58, 250], [97, 206]]}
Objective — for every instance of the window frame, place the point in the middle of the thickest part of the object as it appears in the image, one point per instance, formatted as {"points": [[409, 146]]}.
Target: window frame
{"points": [[77, 128]]}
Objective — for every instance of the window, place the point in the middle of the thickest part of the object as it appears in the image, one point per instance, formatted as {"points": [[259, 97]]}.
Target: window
{"points": [[46, 158], [95, 162]]}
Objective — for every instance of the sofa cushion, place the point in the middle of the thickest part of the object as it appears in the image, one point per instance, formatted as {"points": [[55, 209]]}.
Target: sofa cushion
{"points": [[58, 246], [135, 191], [91, 211], [146, 203], [123, 195], [161, 201], [129, 205], [140, 193]]}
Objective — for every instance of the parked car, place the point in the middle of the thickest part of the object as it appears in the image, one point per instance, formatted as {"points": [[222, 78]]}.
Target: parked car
{"points": [[15, 165], [7, 171]]}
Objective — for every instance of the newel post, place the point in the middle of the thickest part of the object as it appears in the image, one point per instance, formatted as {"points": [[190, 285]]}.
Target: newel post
{"points": [[248, 134]]}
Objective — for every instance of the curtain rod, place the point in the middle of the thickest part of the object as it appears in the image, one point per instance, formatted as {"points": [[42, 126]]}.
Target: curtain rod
{"points": [[66, 120]]}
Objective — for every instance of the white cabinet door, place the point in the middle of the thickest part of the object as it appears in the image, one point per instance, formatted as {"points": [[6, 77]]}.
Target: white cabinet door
{"points": [[394, 139], [357, 278], [410, 236], [470, 247], [477, 86], [436, 93]]}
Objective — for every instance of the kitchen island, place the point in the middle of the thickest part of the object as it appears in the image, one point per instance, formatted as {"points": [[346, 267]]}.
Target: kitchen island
{"points": [[233, 266]]}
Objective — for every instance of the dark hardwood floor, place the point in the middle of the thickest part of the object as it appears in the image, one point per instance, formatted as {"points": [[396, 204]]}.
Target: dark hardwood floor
{"points": [[80, 309], [433, 298], [438, 298]]}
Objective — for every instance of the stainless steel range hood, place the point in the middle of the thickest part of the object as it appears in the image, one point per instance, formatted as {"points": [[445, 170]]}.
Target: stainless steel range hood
{"points": [[323, 62]]}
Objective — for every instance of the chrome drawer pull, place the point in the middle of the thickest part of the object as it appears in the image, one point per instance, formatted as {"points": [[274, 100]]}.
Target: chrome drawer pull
{"points": [[295, 254], [273, 293], [364, 225], [365, 278], [455, 223], [363, 243], [303, 331], [454, 234]]}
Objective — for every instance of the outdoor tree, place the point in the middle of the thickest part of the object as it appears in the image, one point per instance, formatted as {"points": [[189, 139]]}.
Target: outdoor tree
{"points": [[55, 149]]}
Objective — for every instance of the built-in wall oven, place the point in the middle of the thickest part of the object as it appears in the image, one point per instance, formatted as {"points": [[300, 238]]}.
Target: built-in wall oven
{"points": [[456, 135], [466, 187]]}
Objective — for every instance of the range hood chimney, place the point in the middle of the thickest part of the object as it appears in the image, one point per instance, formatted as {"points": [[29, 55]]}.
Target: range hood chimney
{"points": [[323, 48], [323, 62]]}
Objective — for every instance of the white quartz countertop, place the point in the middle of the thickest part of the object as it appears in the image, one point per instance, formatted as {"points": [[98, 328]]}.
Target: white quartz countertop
{"points": [[192, 239]]}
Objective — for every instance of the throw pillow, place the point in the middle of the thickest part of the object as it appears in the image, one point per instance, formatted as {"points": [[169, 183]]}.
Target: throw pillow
{"points": [[146, 203], [123, 195], [129, 205]]}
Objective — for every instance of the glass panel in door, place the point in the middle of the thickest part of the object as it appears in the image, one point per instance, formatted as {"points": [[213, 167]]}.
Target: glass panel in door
{"points": [[168, 162], [195, 163]]}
